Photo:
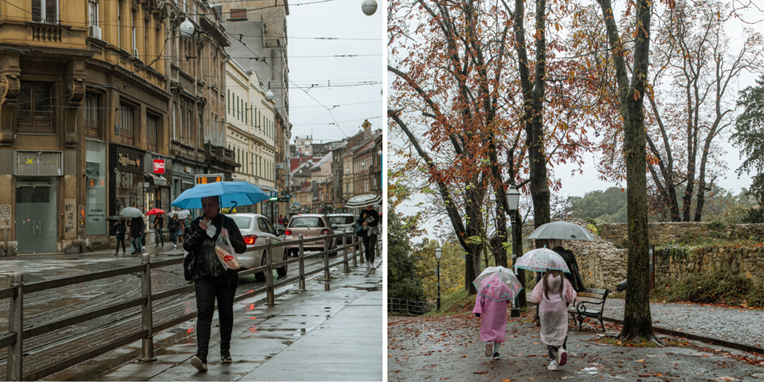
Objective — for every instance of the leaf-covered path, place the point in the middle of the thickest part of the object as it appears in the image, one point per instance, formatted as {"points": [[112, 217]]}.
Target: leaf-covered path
{"points": [[449, 348]]}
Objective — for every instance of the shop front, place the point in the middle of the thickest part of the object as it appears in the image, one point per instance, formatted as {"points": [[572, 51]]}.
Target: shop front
{"points": [[127, 187], [37, 188]]}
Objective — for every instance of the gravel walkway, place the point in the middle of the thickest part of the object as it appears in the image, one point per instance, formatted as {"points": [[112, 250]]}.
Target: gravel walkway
{"points": [[743, 326]]}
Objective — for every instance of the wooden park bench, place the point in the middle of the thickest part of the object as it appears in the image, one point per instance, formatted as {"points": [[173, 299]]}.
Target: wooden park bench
{"points": [[588, 304]]}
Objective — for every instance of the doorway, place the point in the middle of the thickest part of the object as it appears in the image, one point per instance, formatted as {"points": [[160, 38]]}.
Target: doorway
{"points": [[36, 221]]}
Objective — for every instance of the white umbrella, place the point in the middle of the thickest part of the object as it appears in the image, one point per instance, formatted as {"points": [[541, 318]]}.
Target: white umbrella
{"points": [[363, 200], [131, 212], [182, 214], [542, 259], [561, 231]]}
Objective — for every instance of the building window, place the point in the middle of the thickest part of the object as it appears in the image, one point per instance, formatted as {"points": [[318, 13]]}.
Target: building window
{"points": [[45, 11], [238, 15], [127, 127], [92, 102], [152, 132], [93, 12], [35, 108]]}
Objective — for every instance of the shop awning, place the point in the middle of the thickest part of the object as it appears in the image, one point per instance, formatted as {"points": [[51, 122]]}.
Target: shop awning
{"points": [[157, 180]]}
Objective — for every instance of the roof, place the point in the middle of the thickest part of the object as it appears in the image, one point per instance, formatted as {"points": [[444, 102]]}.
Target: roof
{"points": [[325, 159]]}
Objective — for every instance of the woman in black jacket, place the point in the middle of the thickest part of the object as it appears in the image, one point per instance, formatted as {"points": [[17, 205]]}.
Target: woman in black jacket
{"points": [[211, 280], [371, 223]]}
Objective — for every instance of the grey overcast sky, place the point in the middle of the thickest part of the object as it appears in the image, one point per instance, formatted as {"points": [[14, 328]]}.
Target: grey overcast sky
{"points": [[350, 86]]}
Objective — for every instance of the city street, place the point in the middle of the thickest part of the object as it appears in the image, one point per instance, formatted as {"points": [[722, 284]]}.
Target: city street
{"points": [[51, 305]]}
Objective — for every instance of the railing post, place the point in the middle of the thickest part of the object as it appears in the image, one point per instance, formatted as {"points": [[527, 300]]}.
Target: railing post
{"points": [[147, 322], [16, 326], [355, 242], [269, 275], [345, 252], [301, 263], [326, 262]]}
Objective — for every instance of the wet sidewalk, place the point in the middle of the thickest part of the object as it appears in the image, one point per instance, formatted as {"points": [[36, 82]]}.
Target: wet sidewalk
{"points": [[312, 335]]}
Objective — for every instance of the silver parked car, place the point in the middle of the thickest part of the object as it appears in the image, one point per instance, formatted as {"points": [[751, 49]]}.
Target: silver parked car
{"points": [[341, 223], [256, 229], [311, 226]]}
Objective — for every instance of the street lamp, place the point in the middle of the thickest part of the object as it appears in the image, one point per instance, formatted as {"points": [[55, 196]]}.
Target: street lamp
{"points": [[513, 196], [438, 274], [369, 7]]}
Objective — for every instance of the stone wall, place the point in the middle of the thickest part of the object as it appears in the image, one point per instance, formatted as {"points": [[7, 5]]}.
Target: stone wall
{"points": [[602, 265], [667, 232], [746, 261]]}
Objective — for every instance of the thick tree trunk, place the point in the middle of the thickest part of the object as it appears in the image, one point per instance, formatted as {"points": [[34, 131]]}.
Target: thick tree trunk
{"points": [[637, 308], [517, 250]]}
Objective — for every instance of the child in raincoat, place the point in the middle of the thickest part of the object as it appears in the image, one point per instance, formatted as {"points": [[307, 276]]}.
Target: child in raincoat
{"points": [[492, 308], [553, 293]]}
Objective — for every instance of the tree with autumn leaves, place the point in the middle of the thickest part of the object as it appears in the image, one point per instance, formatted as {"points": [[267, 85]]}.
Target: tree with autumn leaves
{"points": [[477, 114]]}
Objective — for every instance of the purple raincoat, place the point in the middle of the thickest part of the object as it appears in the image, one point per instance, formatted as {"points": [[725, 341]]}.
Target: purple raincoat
{"points": [[493, 314]]}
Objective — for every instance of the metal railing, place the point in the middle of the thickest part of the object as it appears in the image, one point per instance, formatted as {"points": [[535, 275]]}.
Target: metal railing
{"points": [[17, 335], [402, 306]]}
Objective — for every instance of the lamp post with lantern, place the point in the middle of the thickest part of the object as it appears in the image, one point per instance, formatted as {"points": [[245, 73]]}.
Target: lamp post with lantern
{"points": [[513, 196], [438, 275]]}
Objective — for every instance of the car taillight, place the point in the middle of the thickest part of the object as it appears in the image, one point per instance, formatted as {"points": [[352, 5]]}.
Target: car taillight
{"points": [[325, 231], [288, 232], [250, 239]]}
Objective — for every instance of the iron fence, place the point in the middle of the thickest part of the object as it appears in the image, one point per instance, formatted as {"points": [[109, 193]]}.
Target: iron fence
{"points": [[405, 307]]}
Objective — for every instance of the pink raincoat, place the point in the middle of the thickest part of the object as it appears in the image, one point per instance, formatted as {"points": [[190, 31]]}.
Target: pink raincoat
{"points": [[493, 313], [553, 317]]}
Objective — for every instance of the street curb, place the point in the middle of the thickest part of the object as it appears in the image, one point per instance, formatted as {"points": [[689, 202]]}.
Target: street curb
{"points": [[713, 341]]}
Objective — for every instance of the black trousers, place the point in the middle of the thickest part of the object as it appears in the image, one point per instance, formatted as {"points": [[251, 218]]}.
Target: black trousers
{"points": [[120, 240], [370, 242], [223, 289]]}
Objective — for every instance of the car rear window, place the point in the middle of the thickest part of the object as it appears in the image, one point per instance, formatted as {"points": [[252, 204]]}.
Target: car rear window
{"points": [[307, 222], [243, 222], [341, 220]]}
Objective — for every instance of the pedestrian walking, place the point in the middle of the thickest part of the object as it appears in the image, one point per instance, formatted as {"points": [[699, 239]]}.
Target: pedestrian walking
{"points": [[553, 293], [145, 229], [159, 224], [136, 233], [281, 220], [119, 233], [491, 306], [371, 222], [174, 226], [211, 280]]}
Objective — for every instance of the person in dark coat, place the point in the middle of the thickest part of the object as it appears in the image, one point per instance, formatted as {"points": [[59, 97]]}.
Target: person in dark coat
{"points": [[173, 225], [574, 277], [211, 280], [136, 234], [119, 232], [159, 224], [371, 222]]}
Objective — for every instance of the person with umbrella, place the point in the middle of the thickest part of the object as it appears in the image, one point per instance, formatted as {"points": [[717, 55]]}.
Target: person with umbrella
{"points": [[136, 234], [159, 224], [173, 225], [496, 287], [212, 281], [552, 293], [370, 223]]}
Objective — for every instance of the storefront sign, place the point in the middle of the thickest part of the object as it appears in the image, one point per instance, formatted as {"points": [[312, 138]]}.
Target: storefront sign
{"points": [[47, 163], [127, 159], [159, 166]]}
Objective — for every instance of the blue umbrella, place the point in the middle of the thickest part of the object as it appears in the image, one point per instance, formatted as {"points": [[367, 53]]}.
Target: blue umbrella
{"points": [[232, 194]]}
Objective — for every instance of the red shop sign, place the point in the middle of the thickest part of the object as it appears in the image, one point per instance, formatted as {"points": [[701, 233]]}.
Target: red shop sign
{"points": [[159, 166]]}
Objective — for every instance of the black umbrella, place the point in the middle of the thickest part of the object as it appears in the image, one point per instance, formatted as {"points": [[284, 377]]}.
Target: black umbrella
{"points": [[117, 218]]}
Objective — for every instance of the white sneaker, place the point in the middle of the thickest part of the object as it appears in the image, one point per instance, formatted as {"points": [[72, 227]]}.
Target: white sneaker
{"points": [[553, 366], [489, 348], [175, 246], [561, 357]]}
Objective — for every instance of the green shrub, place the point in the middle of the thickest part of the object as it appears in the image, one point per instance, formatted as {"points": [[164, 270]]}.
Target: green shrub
{"points": [[723, 287]]}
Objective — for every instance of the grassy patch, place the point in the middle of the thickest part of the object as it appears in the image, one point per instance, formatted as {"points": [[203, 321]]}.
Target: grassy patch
{"points": [[453, 303], [723, 288]]}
